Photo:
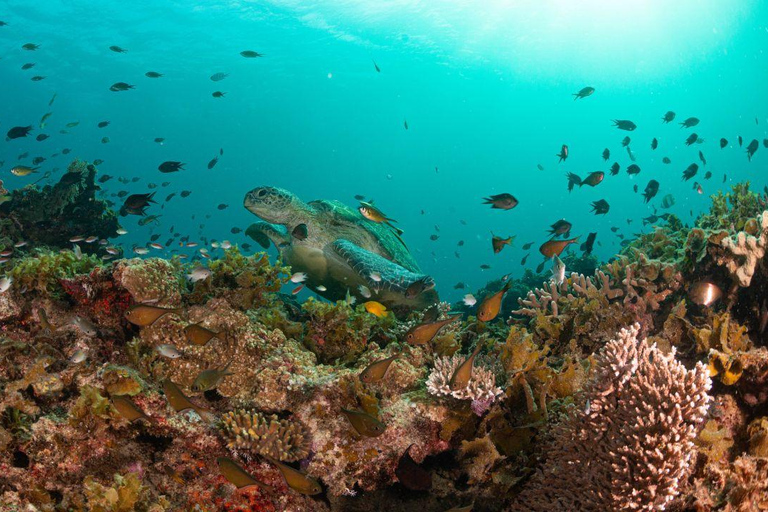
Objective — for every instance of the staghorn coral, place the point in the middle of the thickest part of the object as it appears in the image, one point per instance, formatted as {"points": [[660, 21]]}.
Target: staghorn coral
{"points": [[743, 253], [481, 389], [266, 435], [629, 443]]}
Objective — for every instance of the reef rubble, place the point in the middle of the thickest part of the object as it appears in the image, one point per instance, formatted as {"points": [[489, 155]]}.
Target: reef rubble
{"points": [[619, 389]]}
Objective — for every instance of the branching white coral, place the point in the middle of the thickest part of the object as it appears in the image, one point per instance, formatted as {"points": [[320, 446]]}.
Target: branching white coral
{"points": [[481, 387]]}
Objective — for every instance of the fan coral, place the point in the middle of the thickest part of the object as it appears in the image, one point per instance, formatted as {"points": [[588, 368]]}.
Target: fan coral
{"points": [[267, 435], [481, 388], [629, 444], [743, 253]]}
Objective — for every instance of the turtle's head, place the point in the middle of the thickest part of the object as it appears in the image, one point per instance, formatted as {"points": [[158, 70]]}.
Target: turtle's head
{"points": [[273, 204]]}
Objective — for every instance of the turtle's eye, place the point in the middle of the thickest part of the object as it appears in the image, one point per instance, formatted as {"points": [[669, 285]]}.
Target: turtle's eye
{"points": [[262, 192]]}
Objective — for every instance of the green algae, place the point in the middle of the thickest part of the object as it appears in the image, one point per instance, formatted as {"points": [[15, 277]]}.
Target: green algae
{"points": [[42, 270]]}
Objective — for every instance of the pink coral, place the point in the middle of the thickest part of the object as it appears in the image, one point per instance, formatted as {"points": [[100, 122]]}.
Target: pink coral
{"points": [[629, 444]]}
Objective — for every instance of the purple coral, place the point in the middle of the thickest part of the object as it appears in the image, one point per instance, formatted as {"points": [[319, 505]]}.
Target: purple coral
{"points": [[629, 444]]}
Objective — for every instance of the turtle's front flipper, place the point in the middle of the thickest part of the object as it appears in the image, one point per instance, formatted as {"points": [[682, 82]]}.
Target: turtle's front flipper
{"points": [[389, 276], [262, 232]]}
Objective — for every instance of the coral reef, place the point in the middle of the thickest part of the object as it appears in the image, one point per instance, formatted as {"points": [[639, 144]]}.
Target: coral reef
{"points": [[52, 215], [629, 445], [97, 413]]}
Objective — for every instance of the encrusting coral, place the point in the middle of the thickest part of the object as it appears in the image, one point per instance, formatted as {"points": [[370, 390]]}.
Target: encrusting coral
{"points": [[628, 445], [266, 435]]}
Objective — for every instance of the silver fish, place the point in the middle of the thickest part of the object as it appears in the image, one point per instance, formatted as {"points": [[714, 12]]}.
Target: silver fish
{"points": [[558, 271], [85, 325]]}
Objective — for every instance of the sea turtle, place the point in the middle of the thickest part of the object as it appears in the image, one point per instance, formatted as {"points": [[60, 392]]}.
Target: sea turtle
{"points": [[339, 249]]}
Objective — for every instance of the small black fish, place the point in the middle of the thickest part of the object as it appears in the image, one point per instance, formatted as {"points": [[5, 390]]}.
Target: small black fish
{"points": [[624, 124], [501, 201], [606, 154], [170, 166], [666, 160], [651, 190], [563, 154], [692, 139], [752, 149], [185, 193], [668, 117], [104, 178], [117, 49], [103, 124], [121, 86], [690, 122], [223, 206], [723, 143], [625, 141], [654, 143], [41, 137], [18, 131], [153, 74], [600, 207], [741, 141], [459, 286], [218, 94], [615, 168], [213, 162], [235, 230], [587, 246], [561, 227], [690, 171], [633, 169], [376, 67], [525, 259]]}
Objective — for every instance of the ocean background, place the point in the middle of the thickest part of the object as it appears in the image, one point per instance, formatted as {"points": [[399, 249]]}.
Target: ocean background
{"points": [[486, 90]]}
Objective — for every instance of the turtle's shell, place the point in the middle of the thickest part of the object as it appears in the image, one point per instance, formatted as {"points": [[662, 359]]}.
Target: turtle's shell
{"points": [[338, 221]]}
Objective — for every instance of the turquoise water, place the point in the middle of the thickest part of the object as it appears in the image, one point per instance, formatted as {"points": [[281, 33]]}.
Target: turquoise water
{"points": [[486, 93]]}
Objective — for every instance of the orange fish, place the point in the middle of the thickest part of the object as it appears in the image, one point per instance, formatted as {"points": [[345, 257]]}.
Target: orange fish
{"points": [[556, 247], [490, 307]]}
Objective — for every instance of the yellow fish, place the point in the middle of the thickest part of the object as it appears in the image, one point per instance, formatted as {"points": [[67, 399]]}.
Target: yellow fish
{"points": [[463, 374], [198, 335], [490, 307], [376, 370], [423, 333], [297, 480], [144, 314], [365, 424], [376, 308], [238, 476], [129, 410], [23, 170]]}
